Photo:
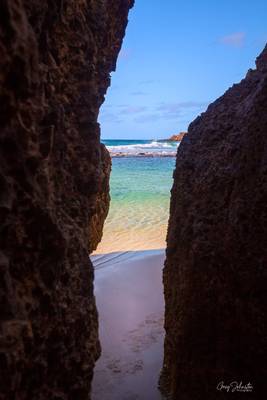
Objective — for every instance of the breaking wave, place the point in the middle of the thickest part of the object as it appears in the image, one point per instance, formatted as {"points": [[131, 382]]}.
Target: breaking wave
{"points": [[142, 148]]}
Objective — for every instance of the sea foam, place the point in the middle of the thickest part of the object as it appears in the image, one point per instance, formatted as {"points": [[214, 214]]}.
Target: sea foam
{"points": [[150, 149]]}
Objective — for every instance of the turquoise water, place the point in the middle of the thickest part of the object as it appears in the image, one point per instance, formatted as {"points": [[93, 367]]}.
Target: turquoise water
{"points": [[140, 195], [141, 179]]}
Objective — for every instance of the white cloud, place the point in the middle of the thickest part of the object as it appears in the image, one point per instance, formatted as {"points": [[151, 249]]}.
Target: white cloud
{"points": [[236, 39], [161, 111], [134, 110], [125, 54], [148, 118], [107, 116], [177, 108]]}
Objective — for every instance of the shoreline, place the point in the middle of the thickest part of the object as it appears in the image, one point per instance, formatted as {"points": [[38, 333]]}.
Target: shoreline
{"points": [[123, 245], [141, 155], [129, 297], [140, 197]]}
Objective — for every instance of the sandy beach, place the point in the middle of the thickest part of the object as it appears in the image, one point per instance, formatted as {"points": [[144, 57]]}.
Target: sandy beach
{"points": [[136, 239], [128, 278], [129, 296]]}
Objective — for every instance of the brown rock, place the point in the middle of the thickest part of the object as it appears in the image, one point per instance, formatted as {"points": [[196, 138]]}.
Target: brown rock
{"points": [[215, 275], [177, 138], [55, 63]]}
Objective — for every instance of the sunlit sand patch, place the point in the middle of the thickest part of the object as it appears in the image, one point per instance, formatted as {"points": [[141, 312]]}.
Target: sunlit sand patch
{"points": [[142, 238]]}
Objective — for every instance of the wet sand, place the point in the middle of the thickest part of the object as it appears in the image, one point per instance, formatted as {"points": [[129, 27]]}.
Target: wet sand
{"points": [[129, 296], [146, 237]]}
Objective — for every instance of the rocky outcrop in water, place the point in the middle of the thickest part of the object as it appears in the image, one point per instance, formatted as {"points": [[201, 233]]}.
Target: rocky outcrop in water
{"points": [[178, 137], [56, 57], [215, 275]]}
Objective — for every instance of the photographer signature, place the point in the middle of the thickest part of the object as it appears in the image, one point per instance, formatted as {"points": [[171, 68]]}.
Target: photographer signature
{"points": [[235, 387]]}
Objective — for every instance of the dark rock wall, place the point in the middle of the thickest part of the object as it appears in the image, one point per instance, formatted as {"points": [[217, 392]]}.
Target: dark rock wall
{"points": [[56, 57], [215, 276]]}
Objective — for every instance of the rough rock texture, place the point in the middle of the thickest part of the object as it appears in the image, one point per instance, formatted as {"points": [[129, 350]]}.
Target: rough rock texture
{"points": [[56, 57], [215, 275]]}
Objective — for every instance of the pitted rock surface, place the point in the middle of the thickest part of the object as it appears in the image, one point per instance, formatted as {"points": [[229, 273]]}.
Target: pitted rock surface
{"points": [[215, 275], [56, 57]]}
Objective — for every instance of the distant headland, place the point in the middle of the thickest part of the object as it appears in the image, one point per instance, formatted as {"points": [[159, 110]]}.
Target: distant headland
{"points": [[174, 138]]}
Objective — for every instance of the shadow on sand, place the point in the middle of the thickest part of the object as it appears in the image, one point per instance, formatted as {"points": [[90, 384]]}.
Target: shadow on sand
{"points": [[129, 296]]}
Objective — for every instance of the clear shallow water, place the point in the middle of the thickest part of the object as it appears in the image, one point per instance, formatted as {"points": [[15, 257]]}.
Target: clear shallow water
{"points": [[139, 209]]}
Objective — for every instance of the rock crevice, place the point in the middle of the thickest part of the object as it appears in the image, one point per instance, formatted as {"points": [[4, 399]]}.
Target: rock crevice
{"points": [[215, 273], [56, 57]]}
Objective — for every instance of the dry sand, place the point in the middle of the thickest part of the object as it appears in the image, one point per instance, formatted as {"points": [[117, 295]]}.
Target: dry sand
{"points": [[129, 296]]}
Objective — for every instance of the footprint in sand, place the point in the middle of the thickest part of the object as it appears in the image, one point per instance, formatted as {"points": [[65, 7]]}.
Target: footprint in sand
{"points": [[127, 367], [146, 333]]}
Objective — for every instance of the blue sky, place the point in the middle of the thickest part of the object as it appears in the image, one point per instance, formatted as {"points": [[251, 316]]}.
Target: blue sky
{"points": [[177, 57]]}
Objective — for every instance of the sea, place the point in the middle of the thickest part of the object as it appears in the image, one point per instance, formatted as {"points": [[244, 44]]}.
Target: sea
{"points": [[140, 184], [141, 148]]}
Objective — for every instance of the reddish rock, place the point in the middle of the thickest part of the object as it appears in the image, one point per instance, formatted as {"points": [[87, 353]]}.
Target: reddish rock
{"points": [[177, 138], [56, 57], [215, 275]]}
